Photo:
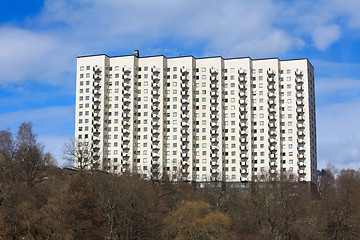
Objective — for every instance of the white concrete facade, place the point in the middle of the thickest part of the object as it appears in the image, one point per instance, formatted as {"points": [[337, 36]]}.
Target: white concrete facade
{"points": [[198, 119]]}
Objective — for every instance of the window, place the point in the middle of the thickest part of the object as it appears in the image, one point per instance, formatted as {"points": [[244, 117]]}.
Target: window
{"points": [[203, 69]]}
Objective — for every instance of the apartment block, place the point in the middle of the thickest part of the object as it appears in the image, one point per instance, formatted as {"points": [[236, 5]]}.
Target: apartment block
{"points": [[205, 120]]}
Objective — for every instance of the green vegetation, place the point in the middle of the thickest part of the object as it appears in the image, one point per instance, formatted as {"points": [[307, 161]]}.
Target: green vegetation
{"points": [[40, 201]]}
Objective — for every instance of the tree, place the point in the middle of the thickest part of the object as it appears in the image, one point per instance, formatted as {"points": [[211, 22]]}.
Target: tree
{"points": [[79, 155], [196, 220]]}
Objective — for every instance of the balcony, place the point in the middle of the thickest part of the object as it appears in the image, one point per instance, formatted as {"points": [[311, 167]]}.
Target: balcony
{"points": [[272, 110], [126, 122], [301, 148], [155, 77], [185, 163], [273, 164], [125, 154], [97, 84], [155, 154], [272, 102], [299, 88], [96, 138], [126, 85], [301, 171], [97, 100], [298, 72], [214, 70], [243, 124], [243, 148], [185, 100], [126, 139], [244, 171], [125, 162], [214, 85], [155, 139], [155, 147], [301, 140], [186, 170], [126, 92], [270, 72], [300, 95], [184, 70], [271, 87], [96, 154], [214, 132], [185, 132], [126, 99], [155, 69], [272, 171], [214, 155], [126, 115], [299, 103], [272, 133], [242, 72], [244, 179], [301, 133], [272, 155], [97, 76], [155, 108], [126, 76], [96, 123], [155, 123], [214, 78], [97, 92], [242, 86], [299, 110], [213, 93], [96, 68], [214, 147], [214, 109], [156, 131], [126, 146], [214, 101], [299, 80], [214, 139], [96, 130], [185, 124], [185, 147], [301, 164], [244, 163], [185, 109], [271, 79], [242, 79], [126, 69], [214, 116], [243, 117], [185, 85], [214, 171], [243, 132], [243, 155], [214, 124], [272, 140], [156, 100], [185, 78], [243, 140], [271, 95], [242, 94], [155, 116], [156, 92], [300, 125], [242, 102], [272, 117], [301, 155], [185, 139], [155, 85], [185, 155], [126, 108], [214, 163]]}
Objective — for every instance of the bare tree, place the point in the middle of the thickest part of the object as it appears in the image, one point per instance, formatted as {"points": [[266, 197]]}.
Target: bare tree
{"points": [[78, 154]]}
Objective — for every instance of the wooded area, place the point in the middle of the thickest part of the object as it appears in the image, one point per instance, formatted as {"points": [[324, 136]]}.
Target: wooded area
{"points": [[41, 201]]}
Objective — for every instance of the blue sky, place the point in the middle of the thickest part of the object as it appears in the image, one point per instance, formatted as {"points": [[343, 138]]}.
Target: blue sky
{"points": [[40, 40]]}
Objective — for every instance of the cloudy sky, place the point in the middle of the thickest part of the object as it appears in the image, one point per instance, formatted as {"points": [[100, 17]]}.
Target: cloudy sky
{"points": [[40, 40]]}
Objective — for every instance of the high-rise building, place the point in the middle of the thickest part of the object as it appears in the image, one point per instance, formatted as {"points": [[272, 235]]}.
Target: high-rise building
{"points": [[197, 119]]}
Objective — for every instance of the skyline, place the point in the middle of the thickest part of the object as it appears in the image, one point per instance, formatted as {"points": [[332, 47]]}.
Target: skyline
{"points": [[41, 40]]}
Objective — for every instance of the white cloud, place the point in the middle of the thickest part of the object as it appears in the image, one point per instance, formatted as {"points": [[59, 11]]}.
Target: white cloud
{"points": [[339, 135], [324, 36]]}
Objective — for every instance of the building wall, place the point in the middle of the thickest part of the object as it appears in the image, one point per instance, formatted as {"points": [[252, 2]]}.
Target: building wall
{"points": [[205, 120]]}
